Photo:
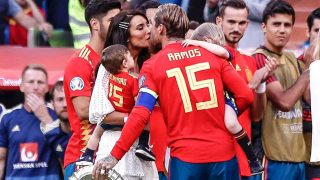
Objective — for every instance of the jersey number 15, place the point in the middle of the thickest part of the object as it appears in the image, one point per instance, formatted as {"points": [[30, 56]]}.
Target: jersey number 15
{"points": [[114, 92], [194, 85]]}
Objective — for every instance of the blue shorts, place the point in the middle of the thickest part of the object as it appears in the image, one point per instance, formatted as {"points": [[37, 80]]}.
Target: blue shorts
{"points": [[254, 177], [69, 170], [275, 170], [162, 176], [226, 170]]}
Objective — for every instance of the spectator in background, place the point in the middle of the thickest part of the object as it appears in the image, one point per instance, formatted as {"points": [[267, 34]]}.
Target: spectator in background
{"points": [[211, 10], [313, 22], [192, 26], [79, 27], [194, 9], [282, 136], [60, 105], [12, 9], [149, 8], [254, 29], [18, 33], [25, 153], [58, 132], [79, 78], [57, 14]]}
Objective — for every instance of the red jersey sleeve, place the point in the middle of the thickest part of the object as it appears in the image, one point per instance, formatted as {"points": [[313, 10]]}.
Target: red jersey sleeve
{"points": [[261, 61], [135, 87], [237, 86], [79, 78]]}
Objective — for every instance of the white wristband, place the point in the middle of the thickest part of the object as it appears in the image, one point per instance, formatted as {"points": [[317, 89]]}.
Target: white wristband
{"points": [[261, 88], [125, 119]]}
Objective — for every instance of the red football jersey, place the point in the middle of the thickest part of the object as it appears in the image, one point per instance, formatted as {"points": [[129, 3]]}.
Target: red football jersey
{"points": [[123, 88], [19, 34], [78, 81], [190, 84]]}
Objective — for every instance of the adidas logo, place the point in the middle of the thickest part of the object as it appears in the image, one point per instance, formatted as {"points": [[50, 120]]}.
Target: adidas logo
{"points": [[59, 148], [16, 128]]}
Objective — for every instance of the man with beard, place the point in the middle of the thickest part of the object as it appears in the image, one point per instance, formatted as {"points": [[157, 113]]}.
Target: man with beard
{"points": [[282, 135], [58, 132], [79, 78], [233, 19], [60, 105]]}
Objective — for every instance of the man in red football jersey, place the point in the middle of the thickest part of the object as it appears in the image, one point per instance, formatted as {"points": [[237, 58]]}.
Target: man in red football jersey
{"points": [[79, 78]]}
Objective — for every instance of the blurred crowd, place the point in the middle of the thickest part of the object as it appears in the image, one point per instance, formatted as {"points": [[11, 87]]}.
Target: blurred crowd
{"points": [[62, 23]]}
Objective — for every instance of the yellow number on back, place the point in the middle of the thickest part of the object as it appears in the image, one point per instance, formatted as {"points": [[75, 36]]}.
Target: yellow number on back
{"points": [[113, 92], [194, 85]]}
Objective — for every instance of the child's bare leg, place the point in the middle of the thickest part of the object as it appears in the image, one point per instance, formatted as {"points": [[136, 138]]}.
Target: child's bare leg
{"points": [[231, 120], [92, 144]]}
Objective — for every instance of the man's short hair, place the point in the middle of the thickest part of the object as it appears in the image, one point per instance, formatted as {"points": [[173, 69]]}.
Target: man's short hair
{"points": [[235, 4], [34, 67], [148, 5], [97, 8], [113, 56], [58, 86], [174, 19], [315, 14], [277, 7]]}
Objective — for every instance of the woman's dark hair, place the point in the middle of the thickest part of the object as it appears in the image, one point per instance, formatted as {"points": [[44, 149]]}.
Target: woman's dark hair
{"points": [[119, 33]]}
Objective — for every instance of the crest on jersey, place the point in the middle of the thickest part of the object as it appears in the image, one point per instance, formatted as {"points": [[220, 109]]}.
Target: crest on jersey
{"points": [[142, 79], [76, 84], [29, 152]]}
